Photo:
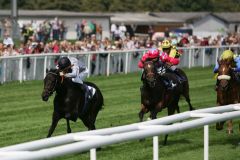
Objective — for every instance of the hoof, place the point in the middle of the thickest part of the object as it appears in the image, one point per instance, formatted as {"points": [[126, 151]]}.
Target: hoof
{"points": [[142, 140], [164, 143]]}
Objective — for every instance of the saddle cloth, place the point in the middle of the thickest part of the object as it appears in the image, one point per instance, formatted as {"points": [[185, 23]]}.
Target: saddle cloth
{"points": [[92, 90]]}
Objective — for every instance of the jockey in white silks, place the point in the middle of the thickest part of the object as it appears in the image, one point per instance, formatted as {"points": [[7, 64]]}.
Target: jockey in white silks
{"points": [[79, 71], [73, 68]]}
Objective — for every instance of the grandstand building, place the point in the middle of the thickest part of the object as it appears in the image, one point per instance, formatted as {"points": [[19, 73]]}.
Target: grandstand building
{"points": [[199, 23]]}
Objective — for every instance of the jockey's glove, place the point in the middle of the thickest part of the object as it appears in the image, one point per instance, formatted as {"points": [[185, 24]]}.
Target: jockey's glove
{"points": [[61, 73]]}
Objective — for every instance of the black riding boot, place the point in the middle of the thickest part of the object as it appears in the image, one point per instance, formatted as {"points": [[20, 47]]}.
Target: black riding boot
{"points": [[87, 97]]}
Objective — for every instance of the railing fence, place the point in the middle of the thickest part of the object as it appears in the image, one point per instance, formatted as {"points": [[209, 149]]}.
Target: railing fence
{"points": [[90, 140], [33, 67]]}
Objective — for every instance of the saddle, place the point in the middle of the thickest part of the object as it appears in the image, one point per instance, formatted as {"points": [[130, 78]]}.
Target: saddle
{"points": [[167, 68], [92, 91]]}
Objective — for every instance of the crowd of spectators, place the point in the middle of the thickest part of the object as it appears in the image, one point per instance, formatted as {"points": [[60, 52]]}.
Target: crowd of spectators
{"points": [[49, 37], [44, 31]]}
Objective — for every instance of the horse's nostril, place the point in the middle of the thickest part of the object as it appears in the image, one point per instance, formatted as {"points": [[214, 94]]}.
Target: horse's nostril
{"points": [[45, 98]]}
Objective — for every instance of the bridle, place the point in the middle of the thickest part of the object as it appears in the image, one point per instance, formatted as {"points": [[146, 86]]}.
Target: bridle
{"points": [[151, 81], [55, 84], [226, 78]]}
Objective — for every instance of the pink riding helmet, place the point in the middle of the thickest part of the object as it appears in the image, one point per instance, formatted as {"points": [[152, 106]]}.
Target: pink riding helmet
{"points": [[153, 53]]}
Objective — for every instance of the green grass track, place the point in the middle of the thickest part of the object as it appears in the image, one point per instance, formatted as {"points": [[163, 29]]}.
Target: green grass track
{"points": [[25, 117]]}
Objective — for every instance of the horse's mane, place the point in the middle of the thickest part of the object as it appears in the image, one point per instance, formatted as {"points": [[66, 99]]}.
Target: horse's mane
{"points": [[53, 70], [56, 71]]}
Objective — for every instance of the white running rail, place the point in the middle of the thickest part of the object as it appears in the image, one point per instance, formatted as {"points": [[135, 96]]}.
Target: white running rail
{"points": [[33, 67], [90, 140]]}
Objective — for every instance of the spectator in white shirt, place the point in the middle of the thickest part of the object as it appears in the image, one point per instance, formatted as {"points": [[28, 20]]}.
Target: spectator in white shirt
{"points": [[122, 31], [8, 40]]}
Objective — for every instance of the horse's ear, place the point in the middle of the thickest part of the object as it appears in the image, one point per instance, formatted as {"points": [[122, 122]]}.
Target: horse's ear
{"points": [[47, 70]]}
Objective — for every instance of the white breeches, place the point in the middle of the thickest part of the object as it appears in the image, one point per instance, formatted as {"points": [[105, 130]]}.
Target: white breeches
{"points": [[81, 76]]}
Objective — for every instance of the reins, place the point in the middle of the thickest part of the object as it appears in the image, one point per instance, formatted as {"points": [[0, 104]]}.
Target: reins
{"points": [[64, 71]]}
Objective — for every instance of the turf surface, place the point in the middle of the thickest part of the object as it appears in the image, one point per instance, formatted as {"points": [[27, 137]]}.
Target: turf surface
{"points": [[25, 117]]}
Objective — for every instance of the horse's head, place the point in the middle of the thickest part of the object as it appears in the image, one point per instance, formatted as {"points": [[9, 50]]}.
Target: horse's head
{"points": [[50, 83], [150, 73], [225, 73]]}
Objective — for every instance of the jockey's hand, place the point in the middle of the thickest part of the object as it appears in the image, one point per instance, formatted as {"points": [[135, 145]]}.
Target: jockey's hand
{"points": [[61, 73]]}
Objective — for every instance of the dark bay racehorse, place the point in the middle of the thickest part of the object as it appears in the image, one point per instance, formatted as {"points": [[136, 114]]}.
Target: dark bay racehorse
{"points": [[69, 101], [155, 96], [227, 89]]}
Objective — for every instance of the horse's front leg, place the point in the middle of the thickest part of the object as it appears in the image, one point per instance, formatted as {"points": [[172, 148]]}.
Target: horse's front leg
{"points": [[68, 126], [142, 112], [230, 127], [153, 114], [171, 109], [219, 125], [159, 106], [55, 118]]}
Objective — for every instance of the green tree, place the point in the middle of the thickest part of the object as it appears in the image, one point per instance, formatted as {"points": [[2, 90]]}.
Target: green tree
{"points": [[226, 5], [127, 5]]}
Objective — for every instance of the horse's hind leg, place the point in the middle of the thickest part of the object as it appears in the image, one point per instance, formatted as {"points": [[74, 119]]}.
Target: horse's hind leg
{"points": [[91, 119], [177, 108], [187, 98], [189, 104], [186, 95], [55, 119], [68, 126], [171, 110]]}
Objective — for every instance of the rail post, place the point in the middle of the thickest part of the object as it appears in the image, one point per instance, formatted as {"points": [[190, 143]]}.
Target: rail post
{"points": [[89, 64], [93, 155], [108, 64], [206, 141], [34, 67], [203, 59], [45, 67], [189, 58], [155, 148], [20, 70], [217, 53]]}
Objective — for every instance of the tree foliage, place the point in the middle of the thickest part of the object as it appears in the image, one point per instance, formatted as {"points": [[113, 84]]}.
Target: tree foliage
{"points": [[127, 5]]}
